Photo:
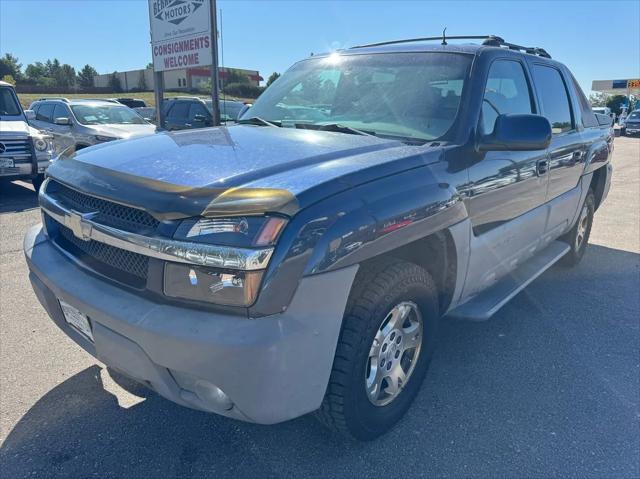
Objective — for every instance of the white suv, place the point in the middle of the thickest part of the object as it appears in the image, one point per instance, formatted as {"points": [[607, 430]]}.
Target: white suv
{"points": [[25, 153]]}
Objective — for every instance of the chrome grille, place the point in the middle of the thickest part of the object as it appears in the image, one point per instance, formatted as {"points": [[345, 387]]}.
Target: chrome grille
{"points": [[18, 149], [104, 255], [109, 213]]}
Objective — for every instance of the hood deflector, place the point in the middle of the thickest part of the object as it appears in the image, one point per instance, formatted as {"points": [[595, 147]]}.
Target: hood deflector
{"points": [[173, 201]]}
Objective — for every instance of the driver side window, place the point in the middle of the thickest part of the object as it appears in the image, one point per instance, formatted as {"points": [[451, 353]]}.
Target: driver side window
{"points": [[506, 91]]}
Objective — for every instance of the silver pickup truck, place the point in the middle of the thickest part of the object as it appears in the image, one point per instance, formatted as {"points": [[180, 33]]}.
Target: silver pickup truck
{"points": [[25, 153]]}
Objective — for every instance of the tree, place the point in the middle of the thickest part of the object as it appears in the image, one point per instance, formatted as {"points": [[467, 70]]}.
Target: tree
{"points": [[142, 82], [149, 65], [273, 77], [598, 99], [615, 102], [85, 76], [66, 76], [9, 65], [9, 79], [36, 71], [114, 83]]}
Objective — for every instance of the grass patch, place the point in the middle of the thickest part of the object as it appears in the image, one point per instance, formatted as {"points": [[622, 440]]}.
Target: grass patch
{"points": [[27, 98]]}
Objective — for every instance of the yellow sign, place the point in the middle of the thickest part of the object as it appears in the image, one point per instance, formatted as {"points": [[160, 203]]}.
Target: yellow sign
{"points": [[633, 84]]}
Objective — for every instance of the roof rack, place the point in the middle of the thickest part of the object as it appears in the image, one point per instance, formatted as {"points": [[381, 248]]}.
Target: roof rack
{"points": [[488, 40], [61, 98], [108, 100]]}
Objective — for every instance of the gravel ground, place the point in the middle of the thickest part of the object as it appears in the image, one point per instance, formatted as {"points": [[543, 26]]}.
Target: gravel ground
{"points": [[548, 387]]}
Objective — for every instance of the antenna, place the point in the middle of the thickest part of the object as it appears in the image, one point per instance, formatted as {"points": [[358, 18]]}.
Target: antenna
{"points": [[444, 37]]}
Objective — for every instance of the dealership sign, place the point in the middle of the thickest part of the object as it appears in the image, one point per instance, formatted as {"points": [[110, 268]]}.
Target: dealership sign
{"points": [[180, 33]]}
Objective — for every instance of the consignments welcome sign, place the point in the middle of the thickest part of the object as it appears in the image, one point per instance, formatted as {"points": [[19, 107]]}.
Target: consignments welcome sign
{"points": [[180, 33]]}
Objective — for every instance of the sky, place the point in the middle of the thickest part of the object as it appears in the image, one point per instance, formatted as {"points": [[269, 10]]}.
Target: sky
{"points": [[596, 40]]}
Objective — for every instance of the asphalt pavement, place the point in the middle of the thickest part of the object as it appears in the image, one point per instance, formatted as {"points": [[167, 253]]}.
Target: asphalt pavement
{"points": [[549, 387]]}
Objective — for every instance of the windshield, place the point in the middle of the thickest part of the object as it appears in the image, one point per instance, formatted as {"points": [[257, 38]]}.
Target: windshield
{"points": [[229, 110], [634, 115], [404, 95], [8, 104], [106, 115]]}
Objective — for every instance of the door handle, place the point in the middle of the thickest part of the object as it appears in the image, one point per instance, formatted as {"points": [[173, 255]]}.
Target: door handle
{"points": [[542, 167]]}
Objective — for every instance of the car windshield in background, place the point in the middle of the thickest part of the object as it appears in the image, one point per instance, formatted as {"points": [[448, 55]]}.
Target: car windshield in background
{"points": [[412, 96], [229, 110], [106, 115], [8, 104], [634, 116]]}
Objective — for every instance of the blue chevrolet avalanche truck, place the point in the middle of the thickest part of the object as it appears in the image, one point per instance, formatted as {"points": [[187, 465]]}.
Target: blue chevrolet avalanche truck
{"points": [[302, 260]]}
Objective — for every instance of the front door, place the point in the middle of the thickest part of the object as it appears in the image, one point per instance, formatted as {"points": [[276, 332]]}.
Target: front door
{"points": [[507, 189]]}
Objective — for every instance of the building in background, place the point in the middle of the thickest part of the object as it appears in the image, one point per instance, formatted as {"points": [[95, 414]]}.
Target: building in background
{"points": [[185, 79]]}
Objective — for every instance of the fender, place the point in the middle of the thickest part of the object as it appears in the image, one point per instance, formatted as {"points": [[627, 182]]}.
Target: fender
{"points": [[357, 225]]}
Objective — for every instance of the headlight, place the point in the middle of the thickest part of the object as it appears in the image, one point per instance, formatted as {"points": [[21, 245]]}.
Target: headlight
{"points": [[41, 144], [243, 232], [215, 285], [104, 138]]}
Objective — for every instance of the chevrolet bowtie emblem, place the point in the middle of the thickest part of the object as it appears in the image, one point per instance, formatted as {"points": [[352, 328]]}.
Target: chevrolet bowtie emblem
{"points": [[79, 224]]}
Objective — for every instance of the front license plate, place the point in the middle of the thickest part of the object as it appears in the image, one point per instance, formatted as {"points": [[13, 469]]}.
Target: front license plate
{"points": [[6, 163], [76, 319]]}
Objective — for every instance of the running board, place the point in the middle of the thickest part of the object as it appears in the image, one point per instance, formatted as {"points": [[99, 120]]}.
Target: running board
{"points": [[484, 305]]}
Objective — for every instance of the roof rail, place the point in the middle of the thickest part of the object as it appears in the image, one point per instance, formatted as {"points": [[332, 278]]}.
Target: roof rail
{"points": [[61, 98], [494, 41], [108, 100], [488, 40]]}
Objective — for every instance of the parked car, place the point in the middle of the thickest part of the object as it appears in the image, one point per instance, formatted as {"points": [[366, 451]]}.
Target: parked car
{"points": [[132, 102], [302, 259], [632, 123], [80, 123], [146, 112], [25, 153], [192, 112]]}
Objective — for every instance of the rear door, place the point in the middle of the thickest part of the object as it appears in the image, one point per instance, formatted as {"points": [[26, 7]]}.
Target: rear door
{"points": [[177, 115], [567, 151], [44, 117]]}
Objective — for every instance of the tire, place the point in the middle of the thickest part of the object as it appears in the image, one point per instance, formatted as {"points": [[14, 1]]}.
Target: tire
{"points": [[37, 182], [380, 289], [578, 237]]}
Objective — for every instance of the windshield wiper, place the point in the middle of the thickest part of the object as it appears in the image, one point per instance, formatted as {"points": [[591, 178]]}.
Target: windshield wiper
{"points": [[256, 120], [335, 127]]}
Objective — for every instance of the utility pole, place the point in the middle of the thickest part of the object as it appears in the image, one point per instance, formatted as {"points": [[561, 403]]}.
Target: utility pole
{"points": [[215, 95]]}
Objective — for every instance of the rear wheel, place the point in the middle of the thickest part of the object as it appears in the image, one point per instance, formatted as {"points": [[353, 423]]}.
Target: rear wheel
{"points": [[384, 350], [578, 237]]}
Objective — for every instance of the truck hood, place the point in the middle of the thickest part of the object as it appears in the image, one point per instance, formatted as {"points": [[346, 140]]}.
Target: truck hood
{"points": [[241, 169], [125, 131]]}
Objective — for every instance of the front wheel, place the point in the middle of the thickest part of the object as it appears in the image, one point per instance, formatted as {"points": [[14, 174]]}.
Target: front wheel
{"points": [[578, 237], [384, 350]]}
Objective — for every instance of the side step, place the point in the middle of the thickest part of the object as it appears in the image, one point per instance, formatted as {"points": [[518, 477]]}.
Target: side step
{"points": [[485, 304]]}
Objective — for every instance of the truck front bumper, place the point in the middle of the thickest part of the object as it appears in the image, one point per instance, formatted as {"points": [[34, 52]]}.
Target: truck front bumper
{"points": [[263, 370]]}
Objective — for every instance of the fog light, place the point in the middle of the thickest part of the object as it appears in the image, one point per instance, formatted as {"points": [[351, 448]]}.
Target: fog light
{"points": [[213, 395], [230, 288]]}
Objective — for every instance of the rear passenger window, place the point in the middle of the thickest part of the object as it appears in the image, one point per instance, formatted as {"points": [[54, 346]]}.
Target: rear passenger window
{"points": [[554, 99], [588, 118], [507, 91], [45, 112]]}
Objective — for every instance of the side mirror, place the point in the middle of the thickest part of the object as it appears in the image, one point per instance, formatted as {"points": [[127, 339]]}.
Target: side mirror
{"points": [[30, 115], [62, 120], [517, 133]]}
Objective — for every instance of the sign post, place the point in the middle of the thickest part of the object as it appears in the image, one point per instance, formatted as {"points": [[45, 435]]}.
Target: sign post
{"points": [[183, 35], [215, 95]]}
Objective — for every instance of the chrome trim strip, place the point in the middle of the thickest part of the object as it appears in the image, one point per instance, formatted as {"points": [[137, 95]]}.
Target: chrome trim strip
{"points": [[166, 249]]}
